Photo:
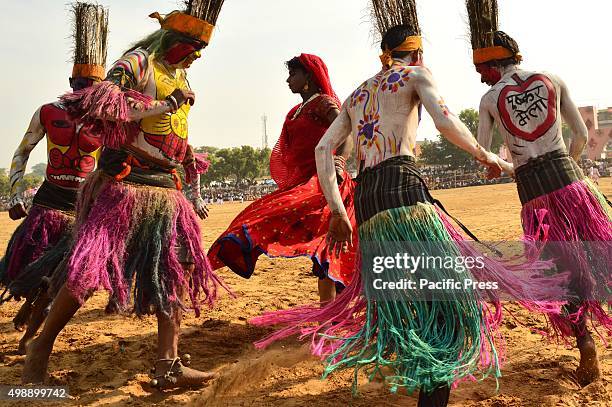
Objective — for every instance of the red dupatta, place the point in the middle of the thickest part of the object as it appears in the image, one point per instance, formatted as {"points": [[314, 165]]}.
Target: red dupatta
{"points": [[292, 161]]}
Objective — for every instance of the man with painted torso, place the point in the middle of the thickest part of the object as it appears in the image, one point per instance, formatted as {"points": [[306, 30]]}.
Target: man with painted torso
{"points": [[559, 205], [137, 236]]}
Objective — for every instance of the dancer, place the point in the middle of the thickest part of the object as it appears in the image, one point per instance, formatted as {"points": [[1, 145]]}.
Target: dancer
{"points": [[292, 221], [594, 174], [406, 338], [135, 231], [559, 204], [72, 153]]}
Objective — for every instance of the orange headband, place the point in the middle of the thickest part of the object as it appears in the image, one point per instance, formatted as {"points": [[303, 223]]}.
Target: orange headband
{"points": [[185, 24], [412, 43], [88, 71], [482, 55]]}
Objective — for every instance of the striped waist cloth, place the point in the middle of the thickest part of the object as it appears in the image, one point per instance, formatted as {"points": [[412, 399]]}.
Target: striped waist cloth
{"points": [[393, 183], [545, 174]]}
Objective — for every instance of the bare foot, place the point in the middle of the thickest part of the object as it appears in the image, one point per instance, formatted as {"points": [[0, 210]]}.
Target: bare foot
{"points": [[180, 376], [23, 315], [588, 371], [36, 362]]}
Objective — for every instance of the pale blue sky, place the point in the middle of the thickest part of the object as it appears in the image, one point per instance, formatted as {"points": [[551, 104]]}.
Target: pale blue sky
{"points": [[242, 75]]}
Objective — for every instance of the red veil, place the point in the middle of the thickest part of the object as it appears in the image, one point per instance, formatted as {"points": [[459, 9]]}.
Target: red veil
{"points": [[295, 139]]}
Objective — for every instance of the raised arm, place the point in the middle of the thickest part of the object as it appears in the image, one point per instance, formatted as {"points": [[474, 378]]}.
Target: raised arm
{"points": [[33, 135], [572, 117], [449, 125]]}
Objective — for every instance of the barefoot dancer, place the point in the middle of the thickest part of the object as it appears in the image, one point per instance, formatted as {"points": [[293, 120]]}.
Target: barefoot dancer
{"points": [[135, 231], [412, 343], [559, 205], [293, 220], [72, 153]]}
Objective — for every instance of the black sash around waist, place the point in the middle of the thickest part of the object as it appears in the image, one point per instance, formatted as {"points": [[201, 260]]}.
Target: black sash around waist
{"points": [[112, 163], [545, 174], [393, 183], [55, 197]]}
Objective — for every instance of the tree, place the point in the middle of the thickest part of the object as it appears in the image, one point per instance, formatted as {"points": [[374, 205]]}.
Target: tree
{"points": [[5, 185], [31, 180], [241, 164], [39, 169], [443, 152]]}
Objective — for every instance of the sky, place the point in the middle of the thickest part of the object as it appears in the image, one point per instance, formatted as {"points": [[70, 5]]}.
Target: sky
{"points": [[242, 75]]}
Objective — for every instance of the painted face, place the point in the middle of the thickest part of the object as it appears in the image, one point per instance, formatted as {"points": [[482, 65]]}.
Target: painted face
{"points": [[488, 74], [296, 80], [184, 53], [80, 82], [417, 58]]}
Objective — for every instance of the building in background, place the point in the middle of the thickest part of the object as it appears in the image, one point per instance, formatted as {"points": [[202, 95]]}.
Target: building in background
{"points": [[599, 124]]}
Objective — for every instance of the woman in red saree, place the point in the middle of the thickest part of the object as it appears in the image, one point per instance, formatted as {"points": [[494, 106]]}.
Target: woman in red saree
{"points": [[293, 220]]}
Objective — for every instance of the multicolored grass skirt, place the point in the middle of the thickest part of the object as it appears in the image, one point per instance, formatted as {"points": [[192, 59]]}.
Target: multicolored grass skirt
{"points": [[409, 341], [287, 223], [574, 211], [129, 239], [41, 230]]}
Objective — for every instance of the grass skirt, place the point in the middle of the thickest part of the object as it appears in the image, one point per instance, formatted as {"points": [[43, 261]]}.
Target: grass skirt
{"points": [[40, 230], [576, 213], [128, 239], [412, 344]]}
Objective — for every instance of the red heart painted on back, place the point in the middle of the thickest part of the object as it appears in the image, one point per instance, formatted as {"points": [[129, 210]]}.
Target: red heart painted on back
{"points": [[529, 108]]}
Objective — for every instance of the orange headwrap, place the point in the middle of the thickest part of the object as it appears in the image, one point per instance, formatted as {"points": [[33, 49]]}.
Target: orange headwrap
{"points": [[411, 43], [482, 55], [88, 71], [185, 24]]}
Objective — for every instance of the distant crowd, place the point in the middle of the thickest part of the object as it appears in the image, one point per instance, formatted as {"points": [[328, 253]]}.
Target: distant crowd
{"points": [[435, 176]]}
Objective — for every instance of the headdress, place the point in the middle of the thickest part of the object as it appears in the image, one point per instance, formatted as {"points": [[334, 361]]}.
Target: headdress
{"points": [[90, 25], [483, 17], [196, 22], [390, 13]]}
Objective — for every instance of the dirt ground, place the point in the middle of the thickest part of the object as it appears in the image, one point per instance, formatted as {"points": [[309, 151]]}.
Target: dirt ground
{"points": [[105, 359]]}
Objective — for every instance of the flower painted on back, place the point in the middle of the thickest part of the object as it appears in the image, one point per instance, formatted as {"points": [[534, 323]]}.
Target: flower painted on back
{"points": [[395, 79], [368, 130], [358, 96]]}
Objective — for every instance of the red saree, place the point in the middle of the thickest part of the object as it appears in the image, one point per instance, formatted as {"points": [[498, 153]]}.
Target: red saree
{"points": [[293, 220]]}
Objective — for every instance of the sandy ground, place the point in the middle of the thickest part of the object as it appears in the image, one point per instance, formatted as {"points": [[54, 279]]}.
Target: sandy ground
{"points": [[104, 360]]}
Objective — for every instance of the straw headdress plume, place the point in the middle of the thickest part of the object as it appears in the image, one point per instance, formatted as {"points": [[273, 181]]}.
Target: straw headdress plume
{"points": [[484, 29], [90, 30], [390, 13]]}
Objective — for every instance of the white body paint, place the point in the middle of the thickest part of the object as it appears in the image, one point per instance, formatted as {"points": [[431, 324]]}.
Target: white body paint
{"points": [[528, 108], [389, 103]]}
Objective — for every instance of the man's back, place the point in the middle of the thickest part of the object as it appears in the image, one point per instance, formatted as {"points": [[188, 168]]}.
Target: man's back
{"points": [[384, 114], [526, 106]]}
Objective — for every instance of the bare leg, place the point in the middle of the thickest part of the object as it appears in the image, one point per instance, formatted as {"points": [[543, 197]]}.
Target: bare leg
{"points": [[327, 290], [36, 319], [168, 331], [588, 370], [38, 351], [21, 319]]}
